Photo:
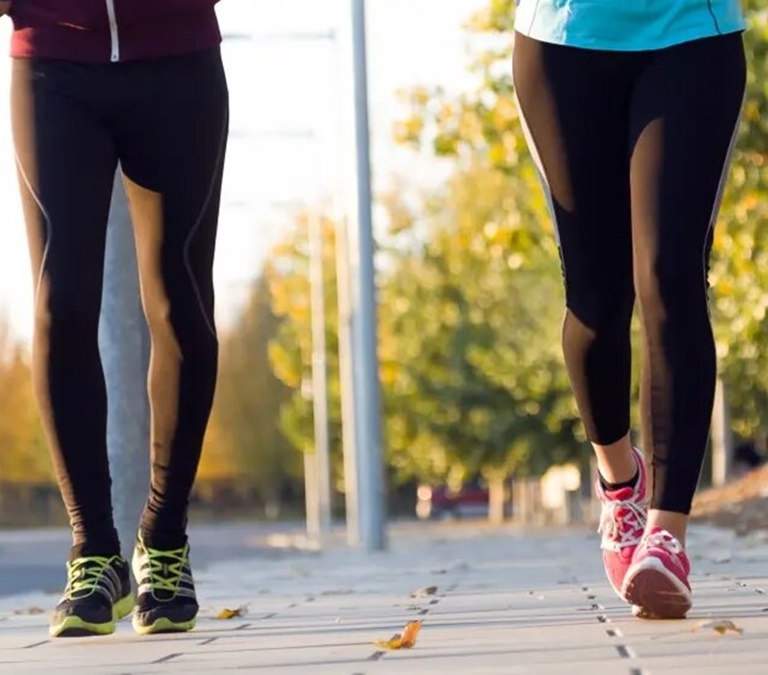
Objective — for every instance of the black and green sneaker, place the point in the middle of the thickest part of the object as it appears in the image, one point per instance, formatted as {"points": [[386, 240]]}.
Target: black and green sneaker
{"points": [[97, 595], [166, 601]]}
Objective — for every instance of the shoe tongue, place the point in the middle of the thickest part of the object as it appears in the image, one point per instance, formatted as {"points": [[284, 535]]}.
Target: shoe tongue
{"points": [[682, 556], [622, 494]]}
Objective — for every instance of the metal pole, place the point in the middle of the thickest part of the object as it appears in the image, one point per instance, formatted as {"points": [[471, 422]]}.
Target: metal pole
{"points": [[721, 437], [317, 464], [365, 359], [339, 213], [311, 501], [346, 375], [319, 373], [124, 345]]}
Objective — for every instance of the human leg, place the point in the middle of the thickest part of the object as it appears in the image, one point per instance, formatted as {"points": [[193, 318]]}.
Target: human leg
{"points": [[685, 113], [171, 147], [66, 162], [575, 105]]}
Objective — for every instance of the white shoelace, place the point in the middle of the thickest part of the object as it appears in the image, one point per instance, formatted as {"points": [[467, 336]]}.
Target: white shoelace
{"points": [[626, 530]]}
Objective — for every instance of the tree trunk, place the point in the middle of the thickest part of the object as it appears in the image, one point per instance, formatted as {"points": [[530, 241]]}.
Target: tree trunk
{"points": [[497, 498], [125, 347]]}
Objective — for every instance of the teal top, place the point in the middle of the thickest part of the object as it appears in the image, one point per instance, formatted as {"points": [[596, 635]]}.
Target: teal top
{"points": [[626, 25]]}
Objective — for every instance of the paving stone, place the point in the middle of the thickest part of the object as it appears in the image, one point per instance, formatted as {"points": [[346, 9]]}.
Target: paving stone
{"points": [[509, 602]]}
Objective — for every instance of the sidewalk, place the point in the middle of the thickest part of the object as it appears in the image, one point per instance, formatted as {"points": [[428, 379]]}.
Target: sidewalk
{"points": [[506, 603]]}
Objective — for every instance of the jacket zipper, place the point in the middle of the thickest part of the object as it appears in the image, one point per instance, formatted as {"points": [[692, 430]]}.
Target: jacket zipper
{"points": [[114, 38]]}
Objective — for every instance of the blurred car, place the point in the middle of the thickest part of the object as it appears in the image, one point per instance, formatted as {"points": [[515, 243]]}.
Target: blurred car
{"points": [[440, 501]]}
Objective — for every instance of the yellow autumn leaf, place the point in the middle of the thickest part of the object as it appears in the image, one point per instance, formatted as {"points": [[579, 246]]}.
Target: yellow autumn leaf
{"points": [[404, 640], [225, 613], [721, 627]]}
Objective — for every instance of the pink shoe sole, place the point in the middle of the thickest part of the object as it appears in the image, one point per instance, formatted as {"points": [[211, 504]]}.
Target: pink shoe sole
{"points": [[655, 592]]}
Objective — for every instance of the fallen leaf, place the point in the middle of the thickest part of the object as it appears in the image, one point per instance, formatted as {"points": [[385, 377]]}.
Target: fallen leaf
{"points": [[424, 592], [721, 627], [225, 613], [404, 640]]}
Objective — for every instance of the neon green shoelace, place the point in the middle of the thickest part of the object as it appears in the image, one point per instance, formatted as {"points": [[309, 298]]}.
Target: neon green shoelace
{"points": [[166, 575], [84, 575]]}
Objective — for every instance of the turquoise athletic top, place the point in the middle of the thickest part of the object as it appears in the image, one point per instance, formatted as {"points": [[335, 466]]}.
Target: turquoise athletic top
{"points": [[626, 25]]}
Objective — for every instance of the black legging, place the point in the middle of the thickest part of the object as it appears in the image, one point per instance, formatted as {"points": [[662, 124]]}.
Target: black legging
{"points": [[165, 121], [633, 148]]}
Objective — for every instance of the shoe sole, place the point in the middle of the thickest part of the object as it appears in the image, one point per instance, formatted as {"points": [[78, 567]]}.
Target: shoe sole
{"points": [[74, 626], [655, 592], [162, 625]]}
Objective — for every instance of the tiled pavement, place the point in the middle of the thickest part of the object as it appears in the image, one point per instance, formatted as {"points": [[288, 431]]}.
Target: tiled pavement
{"points": [[507, 602]]}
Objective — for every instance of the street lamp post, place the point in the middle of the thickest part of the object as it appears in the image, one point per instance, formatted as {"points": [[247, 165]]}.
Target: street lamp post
{"points": [[317, 466], [362, 296], [124, 346], [320, 375]]}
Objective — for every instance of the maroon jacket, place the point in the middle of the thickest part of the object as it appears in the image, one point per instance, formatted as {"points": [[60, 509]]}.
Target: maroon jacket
{"points": [[100, 31]]}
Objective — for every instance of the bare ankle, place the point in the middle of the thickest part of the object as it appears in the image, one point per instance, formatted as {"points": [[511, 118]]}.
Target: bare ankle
{"points": [[674, 523]]}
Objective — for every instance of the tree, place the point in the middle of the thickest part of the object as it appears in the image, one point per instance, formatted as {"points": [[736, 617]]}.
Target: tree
{"points": [[739, 272], [244, 443], [483, 125], [508, 273], [24, 457], [474, 378], [470, 291], [290, 351]]}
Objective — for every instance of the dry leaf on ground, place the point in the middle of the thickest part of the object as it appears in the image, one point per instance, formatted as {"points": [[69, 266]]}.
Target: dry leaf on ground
{"points": [[721, 626], [424, 592], [404, 640], [232, 613]]}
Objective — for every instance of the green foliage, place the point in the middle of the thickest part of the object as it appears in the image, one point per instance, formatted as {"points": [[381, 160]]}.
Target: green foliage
{"points": [[24, 457], [472, 373], [470, 298], [488, 359], [244, 441], [739, 272], [484, 124], [287, 271]]}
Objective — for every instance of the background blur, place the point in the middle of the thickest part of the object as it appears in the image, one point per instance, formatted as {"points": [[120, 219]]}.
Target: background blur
{"points": [[476, 402]]}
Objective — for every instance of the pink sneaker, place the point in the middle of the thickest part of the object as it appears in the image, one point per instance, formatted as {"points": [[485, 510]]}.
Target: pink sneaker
{"points": [[657, 582], [622, 523]]}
